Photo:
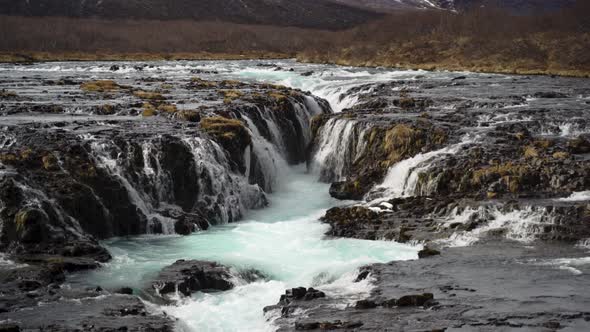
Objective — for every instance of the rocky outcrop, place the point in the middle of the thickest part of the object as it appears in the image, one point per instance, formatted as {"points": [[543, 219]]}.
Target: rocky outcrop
{"points": [[62, 308], [480, 280], [76, 180], [424, 161], [190, 276], [295, 299], [138, 163]]}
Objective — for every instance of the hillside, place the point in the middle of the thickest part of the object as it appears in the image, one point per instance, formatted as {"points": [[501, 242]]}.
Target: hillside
{"points": [[299, 13], [516, 6]]}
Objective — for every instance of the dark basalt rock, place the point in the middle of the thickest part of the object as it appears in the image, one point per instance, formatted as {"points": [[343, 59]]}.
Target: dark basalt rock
{"points": [[550, 94], [295, 298], [347, 191], [326, 326], [479, 279], [365, 304], [189, 276], [428, 252], [9, 327], [417, 300], [184, 227], [125, 290]]}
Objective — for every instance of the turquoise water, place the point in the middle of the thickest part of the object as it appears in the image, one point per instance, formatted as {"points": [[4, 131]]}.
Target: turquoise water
{"points": [[285, 241]]}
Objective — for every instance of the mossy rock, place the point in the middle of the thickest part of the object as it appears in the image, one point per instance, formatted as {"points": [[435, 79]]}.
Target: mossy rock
{"points": [[492, 173], [101, 86], [278, 96], [50, 162], [106, 109], [231, 134], [148, 95], [561, 155], [167, 108], [220, 127], [318, 121], [4, 94], [29, 224], [231, 95], [200, 83], [190, 116]]}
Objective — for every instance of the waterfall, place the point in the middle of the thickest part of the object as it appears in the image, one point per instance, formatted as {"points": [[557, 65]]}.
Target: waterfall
{"points": [[402, 177], [523, 225], [341, 141], [267, 156], [154, 175], [223, 192], [103, 157]]}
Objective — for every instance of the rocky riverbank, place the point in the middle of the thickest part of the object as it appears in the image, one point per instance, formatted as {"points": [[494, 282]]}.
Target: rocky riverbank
{"points": [[493, 174], [82, 161]]}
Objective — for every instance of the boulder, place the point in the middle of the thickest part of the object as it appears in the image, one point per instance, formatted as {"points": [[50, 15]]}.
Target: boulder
{"points": [[415, 300], [300, 294], [347, 190], [365, 304], [189, 276], [428, 252]]}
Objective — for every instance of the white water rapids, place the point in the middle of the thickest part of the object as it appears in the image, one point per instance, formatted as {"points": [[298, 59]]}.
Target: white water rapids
{"points": [[284, 241]]}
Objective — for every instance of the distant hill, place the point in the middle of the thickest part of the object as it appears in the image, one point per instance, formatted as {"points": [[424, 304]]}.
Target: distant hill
{"points": [[517, 6], [394, 5], [300, 13]]}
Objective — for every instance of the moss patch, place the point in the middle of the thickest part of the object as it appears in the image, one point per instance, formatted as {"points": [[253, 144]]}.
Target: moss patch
{"points": [[148, 95], [101, 86]]}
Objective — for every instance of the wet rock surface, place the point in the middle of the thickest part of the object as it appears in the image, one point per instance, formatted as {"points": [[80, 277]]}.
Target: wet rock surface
{"points": [[490, 174], [34, 298], [190, 276], [88, 157], [488, 287], [434, 159]]}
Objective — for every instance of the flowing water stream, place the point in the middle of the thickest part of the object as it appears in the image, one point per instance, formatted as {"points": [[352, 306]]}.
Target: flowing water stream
{"points": [[284, 241]]}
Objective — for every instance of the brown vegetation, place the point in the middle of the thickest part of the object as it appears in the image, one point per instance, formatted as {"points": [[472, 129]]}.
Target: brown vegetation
{"points": [[479, 40], [100, 86]]}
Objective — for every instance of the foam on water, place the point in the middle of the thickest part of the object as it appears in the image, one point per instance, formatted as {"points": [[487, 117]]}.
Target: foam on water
{"points": [[572, 265], [518, 225], [285, 241], [576, 197]]}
